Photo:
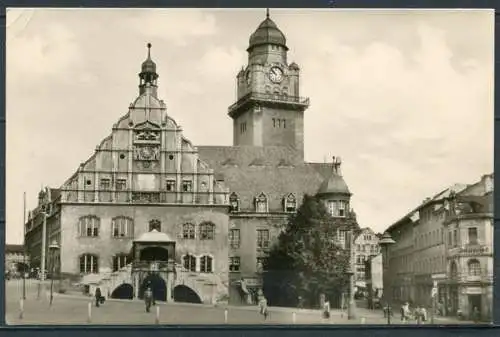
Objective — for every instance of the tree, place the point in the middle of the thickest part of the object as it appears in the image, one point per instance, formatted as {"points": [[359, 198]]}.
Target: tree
{"points": [[307, 260]]}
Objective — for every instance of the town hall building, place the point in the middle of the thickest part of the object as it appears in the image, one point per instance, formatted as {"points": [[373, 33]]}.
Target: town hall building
{"points": [[197, 222]]}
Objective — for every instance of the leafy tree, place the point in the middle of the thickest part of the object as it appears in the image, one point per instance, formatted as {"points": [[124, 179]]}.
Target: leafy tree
{"points": [[307, 261]]}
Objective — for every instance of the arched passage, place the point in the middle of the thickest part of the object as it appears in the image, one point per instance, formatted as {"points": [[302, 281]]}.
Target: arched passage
{"points": [[124, 291], [185, 294], [154, 254], [158, 287]]}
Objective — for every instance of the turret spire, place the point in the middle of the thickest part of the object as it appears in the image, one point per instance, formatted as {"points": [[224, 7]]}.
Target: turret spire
{"points": [[267, 13], [148, 76]]}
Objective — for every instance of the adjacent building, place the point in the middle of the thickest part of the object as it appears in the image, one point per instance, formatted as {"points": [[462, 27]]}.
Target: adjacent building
{"points": [[443, 251], [210, 213], [366, 246], [15, 259]]}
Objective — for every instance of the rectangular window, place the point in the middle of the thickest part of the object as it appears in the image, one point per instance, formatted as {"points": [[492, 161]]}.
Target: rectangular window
{"points": [[472, 231], [284, 124], [262, 238], [170, 185], [234, 238], [332, 208], [105, 184], [187, 186], [234, 263], [121, 184], [455, 238]]}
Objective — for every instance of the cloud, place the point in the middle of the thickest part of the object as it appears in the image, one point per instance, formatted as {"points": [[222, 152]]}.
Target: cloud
{"points": [[219, 63], [178, 26], [51, 52]]}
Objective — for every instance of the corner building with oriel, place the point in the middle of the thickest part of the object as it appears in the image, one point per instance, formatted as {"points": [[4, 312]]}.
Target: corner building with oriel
{"points": [[194, 222]]}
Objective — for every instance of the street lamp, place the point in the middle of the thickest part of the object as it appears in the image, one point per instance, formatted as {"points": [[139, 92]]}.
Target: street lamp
{"points": [[385, 242], [53, 248]]}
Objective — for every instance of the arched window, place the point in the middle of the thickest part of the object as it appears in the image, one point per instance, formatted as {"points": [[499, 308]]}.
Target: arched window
{"points": [[474, 267], [234, 203], [122, 227], [188, 231], [261, 203], [453, 270], [120, 261], [89, 226], [89, 264], [155, 225], [207, 231], [290, 203], [189, 262], [206, 264]]}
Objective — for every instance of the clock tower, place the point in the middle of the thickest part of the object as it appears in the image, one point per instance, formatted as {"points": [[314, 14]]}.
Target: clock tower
{"points": [[269, 110]]}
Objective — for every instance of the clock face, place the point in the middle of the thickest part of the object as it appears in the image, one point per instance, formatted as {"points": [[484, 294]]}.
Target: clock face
{"points": [[276, 74]]}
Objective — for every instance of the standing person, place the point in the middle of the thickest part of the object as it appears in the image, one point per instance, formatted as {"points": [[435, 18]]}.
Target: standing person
{"points": [[263, 306], [148, 295], [98, 296], [418, 315], [326, 310], [476, 315]]}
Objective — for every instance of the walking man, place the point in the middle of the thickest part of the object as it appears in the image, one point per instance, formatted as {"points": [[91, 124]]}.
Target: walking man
{"points": [[148, 296], [98, 296]]}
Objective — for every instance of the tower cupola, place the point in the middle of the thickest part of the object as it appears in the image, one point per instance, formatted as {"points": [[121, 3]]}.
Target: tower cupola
{"points": [[335, 184], [267, 33], [148, 75]]}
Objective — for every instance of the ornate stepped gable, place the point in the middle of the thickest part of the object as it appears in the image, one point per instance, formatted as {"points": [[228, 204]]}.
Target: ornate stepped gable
{"points": [[145, 144]]}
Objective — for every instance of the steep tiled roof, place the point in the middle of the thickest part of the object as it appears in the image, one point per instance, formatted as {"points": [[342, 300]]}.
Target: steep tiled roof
{"points": [[249, 171]]}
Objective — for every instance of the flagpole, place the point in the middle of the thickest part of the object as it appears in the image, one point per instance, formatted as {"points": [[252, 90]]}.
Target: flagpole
{"points": [[24, 245]]}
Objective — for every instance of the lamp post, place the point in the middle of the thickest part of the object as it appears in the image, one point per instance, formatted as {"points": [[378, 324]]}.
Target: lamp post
{"points": [[53, 248], [41, 277], [24, 245], [385, 242]]}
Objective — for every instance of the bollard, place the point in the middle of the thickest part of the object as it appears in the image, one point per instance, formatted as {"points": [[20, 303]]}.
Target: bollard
{"points": [[157, 318], [21, 308], [89, 312], [363, 320], [293, 318], [225, 316]]}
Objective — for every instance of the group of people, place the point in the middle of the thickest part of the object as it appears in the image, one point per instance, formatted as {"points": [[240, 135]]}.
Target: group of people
{"points": [[419, 314]]}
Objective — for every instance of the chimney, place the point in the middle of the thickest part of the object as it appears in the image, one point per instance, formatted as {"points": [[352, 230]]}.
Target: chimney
{"points": [[336, 165]]}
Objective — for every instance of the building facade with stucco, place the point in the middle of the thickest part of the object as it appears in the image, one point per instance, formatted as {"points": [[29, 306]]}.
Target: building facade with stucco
{"points": [[220, 207]]}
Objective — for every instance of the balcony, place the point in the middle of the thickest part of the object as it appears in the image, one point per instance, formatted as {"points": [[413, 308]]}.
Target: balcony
{"points": [[153, 266], [470, 250], [299, 102], [144, 197]]}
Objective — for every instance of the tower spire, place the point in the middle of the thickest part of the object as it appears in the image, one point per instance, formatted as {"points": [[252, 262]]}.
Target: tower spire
{"points": [[148, 75], [267, 13], [149, 51]]}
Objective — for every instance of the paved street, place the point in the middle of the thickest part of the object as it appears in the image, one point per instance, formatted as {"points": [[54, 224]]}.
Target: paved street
{"points": [[72, 310]]}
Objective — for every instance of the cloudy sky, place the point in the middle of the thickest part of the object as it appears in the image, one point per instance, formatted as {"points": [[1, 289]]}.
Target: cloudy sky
{"points": [[404, 97]]}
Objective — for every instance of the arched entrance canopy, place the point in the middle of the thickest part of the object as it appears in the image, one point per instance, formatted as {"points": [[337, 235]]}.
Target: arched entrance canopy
{"points": [[153, 246]]}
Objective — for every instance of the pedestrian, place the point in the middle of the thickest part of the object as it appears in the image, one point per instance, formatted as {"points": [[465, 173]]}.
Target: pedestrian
{"points": [[476, 315], [418, 314], [326, 310], [148, 296], [263, 306], [98, 296]]}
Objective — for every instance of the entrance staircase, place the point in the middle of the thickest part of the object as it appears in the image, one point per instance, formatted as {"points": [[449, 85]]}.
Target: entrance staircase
{"points": [[208, 286]]}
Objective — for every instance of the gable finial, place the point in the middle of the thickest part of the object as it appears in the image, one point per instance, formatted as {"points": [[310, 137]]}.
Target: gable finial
{"points": [[149, 50], [267, 13]]}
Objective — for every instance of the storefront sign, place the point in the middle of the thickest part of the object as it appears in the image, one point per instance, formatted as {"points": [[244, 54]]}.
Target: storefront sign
{"points": [[473, 291], [252, 282]]}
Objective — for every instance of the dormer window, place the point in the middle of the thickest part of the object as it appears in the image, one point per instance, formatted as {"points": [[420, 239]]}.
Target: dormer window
{"points": [[290, 203], [234, 203], [261, 204]]}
